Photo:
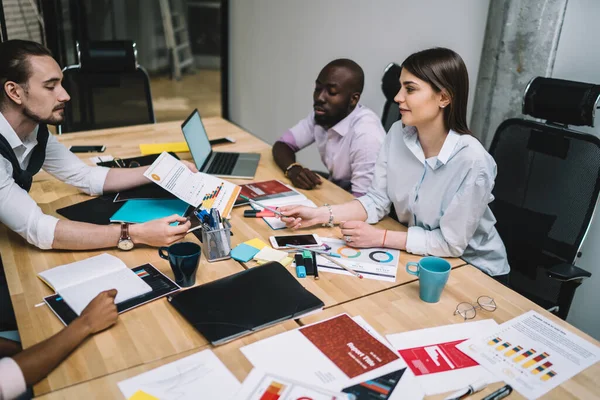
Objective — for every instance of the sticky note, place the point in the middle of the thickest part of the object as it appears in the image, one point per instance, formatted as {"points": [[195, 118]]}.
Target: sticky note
{"points": [[141, 395], [270, 254], [286, 261], [257, 243], [242, 252], [157, 148]]}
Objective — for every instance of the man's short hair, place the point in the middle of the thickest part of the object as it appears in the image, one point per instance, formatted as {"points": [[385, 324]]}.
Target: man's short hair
{"points": [[358, 75], [14, 63]]}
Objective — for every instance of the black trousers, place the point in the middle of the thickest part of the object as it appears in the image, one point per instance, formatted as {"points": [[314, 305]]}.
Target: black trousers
{"points": [[7, 314], [503, 279]]}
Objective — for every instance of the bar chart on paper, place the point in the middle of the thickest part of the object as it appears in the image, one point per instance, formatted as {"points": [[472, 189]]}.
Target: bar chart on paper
{"points": [[532, 353]]}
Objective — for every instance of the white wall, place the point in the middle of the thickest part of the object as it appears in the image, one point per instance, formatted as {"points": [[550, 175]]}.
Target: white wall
{"points": [[578, 59], [278, 47]]}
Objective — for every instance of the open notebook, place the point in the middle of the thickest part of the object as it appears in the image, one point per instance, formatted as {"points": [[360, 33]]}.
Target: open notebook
{"points": [[79, 282]]}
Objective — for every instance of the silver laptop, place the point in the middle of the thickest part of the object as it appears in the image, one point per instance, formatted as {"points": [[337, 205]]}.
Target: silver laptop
{"points": [[231, 165]]}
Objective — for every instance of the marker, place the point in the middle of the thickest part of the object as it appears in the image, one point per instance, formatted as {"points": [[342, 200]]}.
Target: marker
{"points": [[500, 393], [261, 205], [314, 257]]}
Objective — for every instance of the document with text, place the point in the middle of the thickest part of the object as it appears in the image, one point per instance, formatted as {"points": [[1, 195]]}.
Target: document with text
{"points": [[532, 353], [197, 189]]}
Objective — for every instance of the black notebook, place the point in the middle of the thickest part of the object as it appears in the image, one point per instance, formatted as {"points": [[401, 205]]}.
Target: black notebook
{"points": [[132, 162], [245, 302], [160, 284]]}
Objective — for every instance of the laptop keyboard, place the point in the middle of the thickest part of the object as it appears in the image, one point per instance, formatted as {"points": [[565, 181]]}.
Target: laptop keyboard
{"points": [[223, 163]]}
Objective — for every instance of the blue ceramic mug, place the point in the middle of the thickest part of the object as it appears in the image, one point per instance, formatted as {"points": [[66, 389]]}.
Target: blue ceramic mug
{"points": [[433, 273], [184, 258]]}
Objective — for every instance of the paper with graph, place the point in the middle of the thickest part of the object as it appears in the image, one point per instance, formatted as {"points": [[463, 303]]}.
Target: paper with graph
{"points": [[199, 376], [532, 353], [197, 189]]}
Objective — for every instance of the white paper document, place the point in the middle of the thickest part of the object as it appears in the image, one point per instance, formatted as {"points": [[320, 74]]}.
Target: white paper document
{"points": [[260, 385], [437, 364], [532, 353], [374, 263], [197, 189], [201, 375], [333, 354]]}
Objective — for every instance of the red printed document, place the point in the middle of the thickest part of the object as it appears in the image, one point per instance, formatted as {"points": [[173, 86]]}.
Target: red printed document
{"points": [[332, 354], [268, 192]]}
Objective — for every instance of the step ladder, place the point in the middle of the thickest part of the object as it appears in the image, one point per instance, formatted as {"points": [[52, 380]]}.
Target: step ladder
{"points": [[177, 39]]}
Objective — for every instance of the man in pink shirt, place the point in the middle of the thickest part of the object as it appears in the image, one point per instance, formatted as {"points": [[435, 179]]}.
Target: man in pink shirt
{"points": [[348, 135], [33, 364]]}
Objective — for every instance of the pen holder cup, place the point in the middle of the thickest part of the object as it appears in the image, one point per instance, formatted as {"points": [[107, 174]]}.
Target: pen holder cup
{"points": [[216, 244]]}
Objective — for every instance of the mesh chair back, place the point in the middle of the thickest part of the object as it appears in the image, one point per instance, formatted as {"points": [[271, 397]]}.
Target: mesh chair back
{"points": [[107, 89], [545, 193], [390, 85]]}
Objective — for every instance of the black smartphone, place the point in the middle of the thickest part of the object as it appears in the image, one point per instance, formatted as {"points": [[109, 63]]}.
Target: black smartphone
{"points": [[222, 141], [87, 149]]}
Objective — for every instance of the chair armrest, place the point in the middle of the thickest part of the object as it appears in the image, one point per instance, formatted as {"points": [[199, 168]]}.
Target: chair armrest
{"points": [[567, 272]]}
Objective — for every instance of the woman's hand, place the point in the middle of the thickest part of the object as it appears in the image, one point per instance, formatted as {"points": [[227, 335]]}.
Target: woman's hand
{"points": [[160, 232], [296, 217], [361, 234]]}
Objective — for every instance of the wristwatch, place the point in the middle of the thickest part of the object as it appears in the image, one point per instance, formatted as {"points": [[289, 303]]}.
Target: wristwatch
{"points": [[125, 242], [289, 168]]}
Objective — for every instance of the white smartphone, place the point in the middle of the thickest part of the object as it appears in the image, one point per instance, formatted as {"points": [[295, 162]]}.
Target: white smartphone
{"points": [[309, 240]]}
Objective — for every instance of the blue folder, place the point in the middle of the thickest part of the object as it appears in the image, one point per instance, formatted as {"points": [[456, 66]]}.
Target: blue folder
{"points": [[138, 211]]}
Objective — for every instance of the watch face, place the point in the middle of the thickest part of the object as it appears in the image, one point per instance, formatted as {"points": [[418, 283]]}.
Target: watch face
{"points": [[125, 244]]}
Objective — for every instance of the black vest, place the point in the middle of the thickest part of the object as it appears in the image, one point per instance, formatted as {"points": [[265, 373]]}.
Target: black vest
{"points": [[24, 177]]}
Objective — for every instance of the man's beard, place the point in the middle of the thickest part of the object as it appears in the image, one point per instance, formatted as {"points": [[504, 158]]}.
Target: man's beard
{"points": [[40, 120]]}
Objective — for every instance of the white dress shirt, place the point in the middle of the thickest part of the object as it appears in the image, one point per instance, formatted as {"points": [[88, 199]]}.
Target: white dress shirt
{"points": [[12, 381], [18, 210], [349, 149], [443, 200]]}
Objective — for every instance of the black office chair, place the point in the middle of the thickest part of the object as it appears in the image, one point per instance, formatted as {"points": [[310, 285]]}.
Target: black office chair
{"points": [[390, 85], [546, 189], [107, 88]]}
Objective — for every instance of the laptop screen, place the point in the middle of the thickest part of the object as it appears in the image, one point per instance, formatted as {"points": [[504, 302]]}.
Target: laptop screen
{"points": [[196, 138]]}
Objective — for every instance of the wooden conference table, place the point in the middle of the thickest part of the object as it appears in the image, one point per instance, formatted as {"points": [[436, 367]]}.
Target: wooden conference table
{"points": [[155, 334]]}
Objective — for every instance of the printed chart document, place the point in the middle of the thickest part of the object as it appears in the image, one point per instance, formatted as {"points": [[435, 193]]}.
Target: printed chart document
{"points": [[201, 375], [197, 189], [261, 385], [373, 263], [332, 354], [437, 364], [79, 282], [397, 385], [532, 353]]}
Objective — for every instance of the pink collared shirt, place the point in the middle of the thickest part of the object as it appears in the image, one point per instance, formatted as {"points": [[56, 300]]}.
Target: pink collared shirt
{"points": [[349, 149], [12, 381]]}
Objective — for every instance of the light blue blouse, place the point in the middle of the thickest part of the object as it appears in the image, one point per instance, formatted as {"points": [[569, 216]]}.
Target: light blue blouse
{"points": [[443, 200]]}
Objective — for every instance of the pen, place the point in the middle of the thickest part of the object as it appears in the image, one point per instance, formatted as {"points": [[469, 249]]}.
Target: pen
{"points": [[314, 257], [261, 205], [315, 250], [339, 264], [469, 390], [500, 393]]}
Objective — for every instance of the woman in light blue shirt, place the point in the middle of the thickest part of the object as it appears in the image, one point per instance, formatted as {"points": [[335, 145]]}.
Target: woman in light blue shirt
{"points": [[436, 174]]}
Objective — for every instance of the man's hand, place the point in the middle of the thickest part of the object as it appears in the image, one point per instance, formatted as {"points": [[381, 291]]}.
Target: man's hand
{"points": [[101, 312], [191, 166], [159, 232], [303, 178], [361, 234]]}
